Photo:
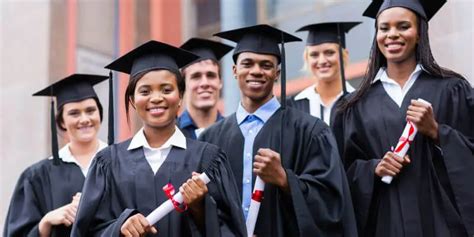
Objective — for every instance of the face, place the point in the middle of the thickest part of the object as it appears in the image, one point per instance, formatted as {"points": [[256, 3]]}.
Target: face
{"points": [[157, 99], [397, 34], [256, 74], [81, 120], [323, 60], [203, 84]]}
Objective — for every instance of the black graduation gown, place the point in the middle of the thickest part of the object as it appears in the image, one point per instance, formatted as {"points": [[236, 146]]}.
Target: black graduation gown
{"points": [[433, 195], [319, 202], [121, 183], [42, 188]]}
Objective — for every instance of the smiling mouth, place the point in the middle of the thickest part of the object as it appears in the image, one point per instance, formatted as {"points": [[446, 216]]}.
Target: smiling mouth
{"points": [[324, 68], [85, 128], [255, 82], [156, 110], [396, 45], [205, 93]]}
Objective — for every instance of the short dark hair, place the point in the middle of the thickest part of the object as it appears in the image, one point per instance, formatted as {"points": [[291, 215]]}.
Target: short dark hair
{"points": [[59, 114], [132, 84]]}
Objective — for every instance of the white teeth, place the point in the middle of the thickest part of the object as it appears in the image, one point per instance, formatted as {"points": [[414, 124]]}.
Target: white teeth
{"points": [[156, 110], [394, 46], [257, 83]]}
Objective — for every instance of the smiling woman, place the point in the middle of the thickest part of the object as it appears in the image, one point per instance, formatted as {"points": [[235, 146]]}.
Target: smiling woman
{"points": [[128, 177], [47, 195], [430, 194], [325, 57]]}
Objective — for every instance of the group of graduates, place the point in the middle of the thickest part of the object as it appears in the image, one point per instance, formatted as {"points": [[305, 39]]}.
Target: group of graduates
{"points": [[321, 153]]}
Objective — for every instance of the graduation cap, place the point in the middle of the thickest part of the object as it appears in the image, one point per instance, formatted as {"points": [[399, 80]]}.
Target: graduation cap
{"points": [[328, 32], [262, 39], [425, 8], [206, 49], [152, 55], [74, 88]]}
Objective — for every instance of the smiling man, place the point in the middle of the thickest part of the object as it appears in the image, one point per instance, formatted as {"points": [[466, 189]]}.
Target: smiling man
{"points": [[203, 85], [306, 192]]}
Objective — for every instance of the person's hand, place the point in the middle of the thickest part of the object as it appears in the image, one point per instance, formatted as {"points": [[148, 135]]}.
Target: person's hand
{"points": [[391, 164], [193, 191], [64, 215], [136, 226], [267, 165], [421, 114]]}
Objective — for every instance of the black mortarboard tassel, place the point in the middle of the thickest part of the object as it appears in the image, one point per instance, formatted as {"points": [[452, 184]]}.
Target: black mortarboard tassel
{"points": [[111, 131]]}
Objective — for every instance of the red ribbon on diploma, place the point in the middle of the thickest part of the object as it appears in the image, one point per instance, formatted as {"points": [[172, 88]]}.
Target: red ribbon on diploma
{"points": [[405, 140], [169, 191], [257, 195]]}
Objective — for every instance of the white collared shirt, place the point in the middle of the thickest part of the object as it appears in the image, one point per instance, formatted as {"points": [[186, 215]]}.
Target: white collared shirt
{"points": [[316, 104], [392, 88], [66, 156], [157, 156]]}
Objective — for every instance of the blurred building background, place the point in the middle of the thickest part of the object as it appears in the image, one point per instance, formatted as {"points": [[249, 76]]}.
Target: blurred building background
{"points": [[42, 41]]}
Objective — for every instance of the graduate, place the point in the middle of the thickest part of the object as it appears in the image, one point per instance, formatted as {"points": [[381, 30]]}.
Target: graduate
{"points": [[45, 199], [432, 193], [203, 85], [126, 180], [306, 192], [323, 59]]}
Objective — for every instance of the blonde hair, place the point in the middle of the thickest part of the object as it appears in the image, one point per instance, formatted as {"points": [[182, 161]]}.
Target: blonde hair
{"points": [[306, 68]]}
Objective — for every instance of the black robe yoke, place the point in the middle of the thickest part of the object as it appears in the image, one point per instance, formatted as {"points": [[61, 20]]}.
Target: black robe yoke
{"points": [[319, 202], [40, 189], [433, 195], [121, 183]]}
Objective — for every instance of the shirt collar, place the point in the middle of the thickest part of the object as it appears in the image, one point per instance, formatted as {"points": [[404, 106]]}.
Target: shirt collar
{"points": [[263, 113], [139, 140], [311, 94], [383, 76], [66, 155]]}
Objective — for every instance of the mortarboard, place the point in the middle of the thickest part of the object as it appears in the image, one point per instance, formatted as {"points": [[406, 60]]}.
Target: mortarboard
{"points": [[425, 8], [206, 49], [152, 55], [262, 39], [327, 32], [74, 88]]}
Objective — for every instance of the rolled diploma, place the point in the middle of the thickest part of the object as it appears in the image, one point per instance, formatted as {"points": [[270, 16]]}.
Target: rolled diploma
{"points": [[254, 207], [167, 206], [403, 151]]}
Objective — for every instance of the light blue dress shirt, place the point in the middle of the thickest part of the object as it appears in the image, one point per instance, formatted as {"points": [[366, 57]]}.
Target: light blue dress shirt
{"points": [[250, 125]]}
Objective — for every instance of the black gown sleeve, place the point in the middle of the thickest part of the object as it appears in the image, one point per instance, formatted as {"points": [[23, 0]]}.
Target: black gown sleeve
{"points": [[319, 193], [24, 213], [456, 140], [224, 216], [95, 214], [360, 168]]}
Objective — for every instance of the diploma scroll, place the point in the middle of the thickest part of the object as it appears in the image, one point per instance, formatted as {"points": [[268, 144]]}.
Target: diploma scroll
{"points": [[168, 206], [404, 142], [254, 208]]}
